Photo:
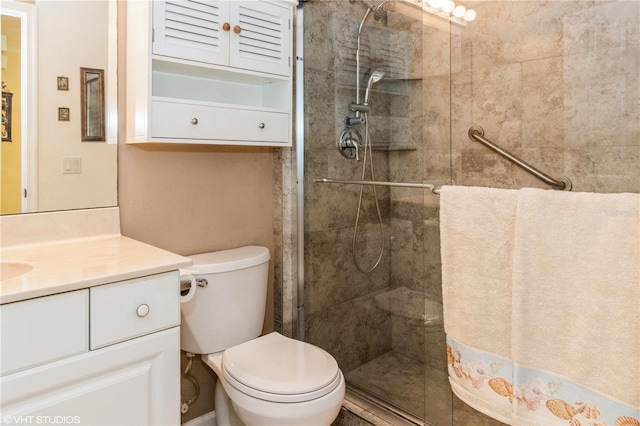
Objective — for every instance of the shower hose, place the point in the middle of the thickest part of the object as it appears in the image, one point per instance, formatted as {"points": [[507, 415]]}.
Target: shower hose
{"points": [[367, 147]]}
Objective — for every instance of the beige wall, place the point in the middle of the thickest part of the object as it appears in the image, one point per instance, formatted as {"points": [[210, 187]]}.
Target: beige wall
{"points": [[190, 199]]}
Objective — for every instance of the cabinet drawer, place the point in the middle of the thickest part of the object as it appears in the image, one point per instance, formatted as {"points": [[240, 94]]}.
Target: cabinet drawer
{"points": [[184, 121], [43, 330], [133, 308]]}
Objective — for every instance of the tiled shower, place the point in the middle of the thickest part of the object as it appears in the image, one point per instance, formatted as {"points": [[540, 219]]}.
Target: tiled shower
{"points": [[555, 82]]}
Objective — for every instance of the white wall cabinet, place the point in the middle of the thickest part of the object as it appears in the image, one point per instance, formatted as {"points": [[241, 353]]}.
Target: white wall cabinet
{"points": [[131, 378], [210, 72]]}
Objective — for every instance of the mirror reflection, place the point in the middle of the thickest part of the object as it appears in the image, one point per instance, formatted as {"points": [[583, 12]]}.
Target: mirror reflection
{"points": [[92, 104], [48, 165]]}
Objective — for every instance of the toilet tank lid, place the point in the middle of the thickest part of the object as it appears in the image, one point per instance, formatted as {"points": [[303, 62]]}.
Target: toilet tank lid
{"points": [[228, 260]]}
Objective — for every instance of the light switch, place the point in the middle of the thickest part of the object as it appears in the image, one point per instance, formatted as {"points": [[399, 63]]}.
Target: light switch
{"points": [[71, 165]]}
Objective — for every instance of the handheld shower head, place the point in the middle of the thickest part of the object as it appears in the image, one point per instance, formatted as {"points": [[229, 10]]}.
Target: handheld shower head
{"points": [[374, 77]]}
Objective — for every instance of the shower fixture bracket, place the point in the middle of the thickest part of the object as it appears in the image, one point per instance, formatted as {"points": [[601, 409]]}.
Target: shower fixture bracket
{"points": [[353, 121], [359, 107]]}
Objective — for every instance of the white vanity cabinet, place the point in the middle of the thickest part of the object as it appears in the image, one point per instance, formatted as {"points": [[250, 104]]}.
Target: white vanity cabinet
{"points": [[105, 355], [209, 72]]}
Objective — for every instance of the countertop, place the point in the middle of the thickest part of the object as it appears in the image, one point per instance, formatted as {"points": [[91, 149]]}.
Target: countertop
{"points": [[82, 263]]}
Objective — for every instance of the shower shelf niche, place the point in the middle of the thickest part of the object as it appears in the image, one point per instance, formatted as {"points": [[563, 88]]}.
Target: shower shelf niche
{"points": [[410, 304]]}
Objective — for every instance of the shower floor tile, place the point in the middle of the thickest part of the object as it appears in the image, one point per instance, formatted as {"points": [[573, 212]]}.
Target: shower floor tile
{"points": [[405, 383]]}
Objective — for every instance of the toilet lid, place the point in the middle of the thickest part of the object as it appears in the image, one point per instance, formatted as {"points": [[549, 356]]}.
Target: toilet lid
{"points": [[276, 364]]}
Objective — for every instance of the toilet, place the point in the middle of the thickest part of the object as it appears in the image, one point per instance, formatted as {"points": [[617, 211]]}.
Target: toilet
{"points": [[262, 380]]}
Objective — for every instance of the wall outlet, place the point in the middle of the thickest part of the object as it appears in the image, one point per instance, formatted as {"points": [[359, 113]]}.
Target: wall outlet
{"points": [[71, 165]]}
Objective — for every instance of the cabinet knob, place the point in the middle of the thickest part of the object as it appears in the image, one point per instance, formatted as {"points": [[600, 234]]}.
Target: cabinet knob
{"points": [[226, 26], [142, 310], [237, 29], [194, 121], [261, 126]]}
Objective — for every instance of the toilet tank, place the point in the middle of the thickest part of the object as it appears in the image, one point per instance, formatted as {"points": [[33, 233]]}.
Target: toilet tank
{"points": [[230, 309]]}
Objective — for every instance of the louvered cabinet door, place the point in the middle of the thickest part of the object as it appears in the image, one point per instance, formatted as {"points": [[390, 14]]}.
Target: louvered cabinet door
{"points": [[261, 37], [193, 30]]}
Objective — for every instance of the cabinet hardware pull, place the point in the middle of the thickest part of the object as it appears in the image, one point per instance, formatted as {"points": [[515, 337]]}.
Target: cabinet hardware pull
{"points": [[237, 29], [226, 26], [261, 125], [194, 121], [143, 310]]}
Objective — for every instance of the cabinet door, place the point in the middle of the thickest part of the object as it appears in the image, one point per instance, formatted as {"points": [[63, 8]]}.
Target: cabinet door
{"points": [[131, 383], [261, 37], [193, 30]]}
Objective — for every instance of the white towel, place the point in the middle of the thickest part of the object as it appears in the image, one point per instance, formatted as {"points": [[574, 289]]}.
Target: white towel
{"points": [[541, 295], [477, 226], [576, 293]]}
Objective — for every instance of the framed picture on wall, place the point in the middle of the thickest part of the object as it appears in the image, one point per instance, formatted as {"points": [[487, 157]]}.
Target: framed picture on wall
{"points": [[63, 83], [6, 116], [63, 114]]}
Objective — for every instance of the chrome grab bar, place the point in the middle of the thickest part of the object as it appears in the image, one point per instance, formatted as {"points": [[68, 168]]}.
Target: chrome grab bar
{"points": [[476, 133], [428, 186]]}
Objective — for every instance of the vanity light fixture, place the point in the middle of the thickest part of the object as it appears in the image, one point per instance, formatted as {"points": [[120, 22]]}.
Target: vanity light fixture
{"points": [[447, 9]]}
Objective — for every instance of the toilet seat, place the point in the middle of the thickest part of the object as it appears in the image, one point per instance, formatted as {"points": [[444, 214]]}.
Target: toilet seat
{"points": [[279, 369]]}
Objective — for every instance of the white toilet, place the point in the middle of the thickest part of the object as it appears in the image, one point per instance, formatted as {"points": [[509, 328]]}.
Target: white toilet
{"points": [[267, 380]]}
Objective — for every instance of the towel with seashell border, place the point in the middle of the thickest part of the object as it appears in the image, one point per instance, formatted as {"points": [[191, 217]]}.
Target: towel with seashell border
{"points": [[517, 395]]}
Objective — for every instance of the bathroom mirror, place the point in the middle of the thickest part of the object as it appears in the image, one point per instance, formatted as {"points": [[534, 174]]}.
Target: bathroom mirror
{"points": [[48, 165], [92, 104]]}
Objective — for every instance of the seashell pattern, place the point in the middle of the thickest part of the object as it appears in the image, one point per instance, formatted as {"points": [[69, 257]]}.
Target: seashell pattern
{"points": [[627, 421], [480, 374], [561, 409], [501, 387]]}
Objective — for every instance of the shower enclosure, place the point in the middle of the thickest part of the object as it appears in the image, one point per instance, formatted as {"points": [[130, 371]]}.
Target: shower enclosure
{"points": [[555, 82], [378, 313]]}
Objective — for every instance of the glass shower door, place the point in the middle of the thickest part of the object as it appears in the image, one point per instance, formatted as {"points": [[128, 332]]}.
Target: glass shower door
{"points": [[383, 327]]}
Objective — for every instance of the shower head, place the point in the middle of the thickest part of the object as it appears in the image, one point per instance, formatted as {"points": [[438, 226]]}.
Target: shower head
{"points": [[374, 77], [380, 10]]}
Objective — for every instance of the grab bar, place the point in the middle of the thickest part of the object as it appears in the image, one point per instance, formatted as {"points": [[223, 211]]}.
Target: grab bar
{"points": [[476, 133], [428, 186]]}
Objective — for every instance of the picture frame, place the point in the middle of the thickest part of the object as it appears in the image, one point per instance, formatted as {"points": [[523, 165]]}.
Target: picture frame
{"points": [[7, 100], [63, 114], [92, 108], [63, 83]]}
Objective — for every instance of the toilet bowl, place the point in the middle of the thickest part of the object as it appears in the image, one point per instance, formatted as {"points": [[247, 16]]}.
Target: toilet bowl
{"points": [[266, 380], [288, 383]]}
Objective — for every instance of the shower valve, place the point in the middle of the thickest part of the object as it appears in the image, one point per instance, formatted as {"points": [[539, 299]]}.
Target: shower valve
{"points": [[349, 144]]}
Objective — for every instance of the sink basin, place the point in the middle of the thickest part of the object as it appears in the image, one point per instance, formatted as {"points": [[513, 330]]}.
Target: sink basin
{"points": [[9, 269]]}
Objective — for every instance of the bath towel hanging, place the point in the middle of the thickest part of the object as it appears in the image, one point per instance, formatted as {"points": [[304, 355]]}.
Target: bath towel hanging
{"points": [[576, 308], [477, 227], [569, 292]]}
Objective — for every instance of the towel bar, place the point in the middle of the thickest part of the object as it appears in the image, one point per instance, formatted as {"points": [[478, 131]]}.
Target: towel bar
{"points": [[476, 133], [429, 186]]}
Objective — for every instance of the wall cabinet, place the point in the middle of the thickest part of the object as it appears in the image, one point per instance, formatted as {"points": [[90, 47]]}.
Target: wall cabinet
{"points": [[209, 72], [119, 364]]}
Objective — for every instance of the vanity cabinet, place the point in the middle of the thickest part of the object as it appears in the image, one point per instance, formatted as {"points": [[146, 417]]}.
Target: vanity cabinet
{"points": [[209, 72], [105, 355]]}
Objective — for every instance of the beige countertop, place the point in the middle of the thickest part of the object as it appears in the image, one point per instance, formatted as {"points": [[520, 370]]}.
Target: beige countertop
{"points": [[81, 263]]}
